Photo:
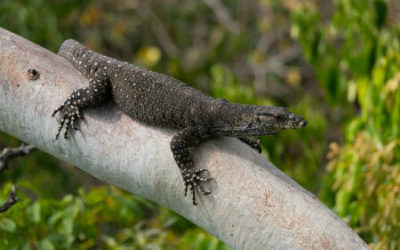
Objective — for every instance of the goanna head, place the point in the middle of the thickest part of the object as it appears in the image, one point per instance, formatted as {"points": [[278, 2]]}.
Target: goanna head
{"points": [[265, 120]]}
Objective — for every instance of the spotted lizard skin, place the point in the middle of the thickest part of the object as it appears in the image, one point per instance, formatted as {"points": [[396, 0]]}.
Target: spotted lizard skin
{"points": [[159, 100]]}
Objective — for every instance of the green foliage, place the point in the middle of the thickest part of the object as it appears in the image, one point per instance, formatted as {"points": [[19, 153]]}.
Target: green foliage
{"points": [[364, 55], [103, 217], [39, 20]]}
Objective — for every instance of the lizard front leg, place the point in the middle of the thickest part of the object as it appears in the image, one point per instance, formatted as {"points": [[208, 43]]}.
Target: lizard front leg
{"points": [[182, 145], [92, 95]]}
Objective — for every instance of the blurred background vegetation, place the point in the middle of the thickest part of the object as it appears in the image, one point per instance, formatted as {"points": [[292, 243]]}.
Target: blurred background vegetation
{"points": [[337, 63]]}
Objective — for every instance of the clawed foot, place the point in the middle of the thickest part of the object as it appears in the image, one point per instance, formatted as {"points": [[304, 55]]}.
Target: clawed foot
{"points": [[193, 181], [70, 118]]}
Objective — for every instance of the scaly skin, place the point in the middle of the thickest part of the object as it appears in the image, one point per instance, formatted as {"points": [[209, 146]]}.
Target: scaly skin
{"points": [[163, 101]]}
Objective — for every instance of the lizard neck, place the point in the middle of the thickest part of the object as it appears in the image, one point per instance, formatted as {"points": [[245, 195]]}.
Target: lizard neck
{"points": [[221, 113], [84, 59]]}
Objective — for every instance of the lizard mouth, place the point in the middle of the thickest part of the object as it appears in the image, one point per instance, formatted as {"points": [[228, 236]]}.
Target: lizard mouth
{"points": [[271, 125], [277, 117]]}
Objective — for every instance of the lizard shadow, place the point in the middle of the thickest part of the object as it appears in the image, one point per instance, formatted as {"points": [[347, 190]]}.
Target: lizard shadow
{"points": [[107, 113], [233, 146]]}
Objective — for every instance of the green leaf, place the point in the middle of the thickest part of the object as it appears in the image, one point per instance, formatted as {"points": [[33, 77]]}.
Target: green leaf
{"points": [[8, 225], [33, 212], [26, 246], [56, 217], [342, 202], [68, 198], [46, 245]]}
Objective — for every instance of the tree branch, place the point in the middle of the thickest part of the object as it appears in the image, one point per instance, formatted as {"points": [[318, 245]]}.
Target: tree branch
{"points": [[11, 200], [10, 153], [6, 155], [223, 16], [253, 204]]}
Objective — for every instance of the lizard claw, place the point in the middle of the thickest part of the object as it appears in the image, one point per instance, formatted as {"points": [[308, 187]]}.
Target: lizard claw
{"points": [[193, 181], [57, 110], [70, 118]]}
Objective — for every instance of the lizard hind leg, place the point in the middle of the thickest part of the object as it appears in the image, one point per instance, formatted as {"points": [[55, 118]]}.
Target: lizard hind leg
{"points": [[181, 147]]}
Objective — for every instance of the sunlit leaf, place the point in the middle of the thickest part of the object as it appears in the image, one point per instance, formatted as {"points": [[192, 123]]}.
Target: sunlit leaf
{"points": [[149, 55], [8, 225], [33, 212], [46, 245]]}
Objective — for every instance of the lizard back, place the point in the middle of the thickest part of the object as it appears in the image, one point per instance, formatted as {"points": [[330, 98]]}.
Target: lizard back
{"points": [[147, 96]]}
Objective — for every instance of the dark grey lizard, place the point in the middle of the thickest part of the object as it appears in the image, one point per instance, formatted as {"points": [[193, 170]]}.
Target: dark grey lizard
{"points": [[163, 101]]}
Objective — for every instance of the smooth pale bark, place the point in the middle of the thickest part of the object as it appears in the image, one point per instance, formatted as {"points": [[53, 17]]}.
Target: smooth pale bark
{"points": [[253, 204]]}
